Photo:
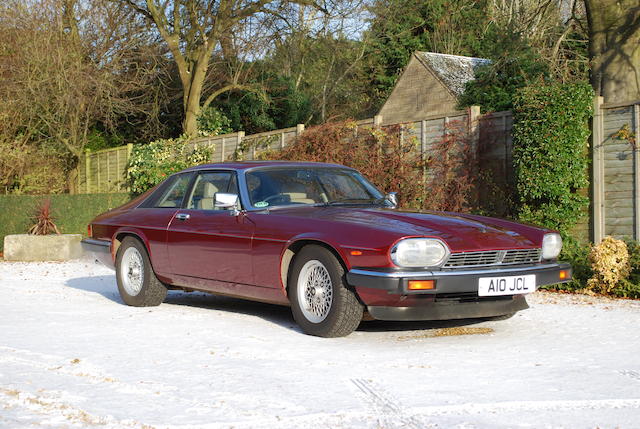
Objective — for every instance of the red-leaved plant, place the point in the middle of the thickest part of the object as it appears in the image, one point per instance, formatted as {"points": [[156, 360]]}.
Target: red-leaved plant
{"points": [[390, 158], [453, 171], [387, 159], [44, 222]]}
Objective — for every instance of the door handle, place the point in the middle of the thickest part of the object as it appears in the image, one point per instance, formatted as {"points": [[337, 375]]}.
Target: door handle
{"points": [[182, 216]]}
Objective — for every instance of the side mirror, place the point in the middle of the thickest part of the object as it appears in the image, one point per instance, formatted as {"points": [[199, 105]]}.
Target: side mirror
{"points": [[228, 201], [392, 197]]}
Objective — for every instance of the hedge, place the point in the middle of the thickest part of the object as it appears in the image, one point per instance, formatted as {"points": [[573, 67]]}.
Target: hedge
{"points": [[72, 212]]}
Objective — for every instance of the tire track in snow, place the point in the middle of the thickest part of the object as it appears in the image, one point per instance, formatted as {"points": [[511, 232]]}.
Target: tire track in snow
{"points": [[515, 406], [389, 411]]}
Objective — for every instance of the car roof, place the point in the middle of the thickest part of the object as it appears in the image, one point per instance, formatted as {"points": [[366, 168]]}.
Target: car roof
{"points": [[244, 165]]}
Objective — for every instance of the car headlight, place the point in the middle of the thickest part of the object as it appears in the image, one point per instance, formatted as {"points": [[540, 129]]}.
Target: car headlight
{"points": [[551, 246], [419, 252]]}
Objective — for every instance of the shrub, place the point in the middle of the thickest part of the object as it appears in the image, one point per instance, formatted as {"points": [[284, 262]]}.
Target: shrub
{"points": [[577, 255], [43, 218], [550, 134], [212, 122], [453, 170], [391, 160], [151, 163], [610, 264], [386, 159]]}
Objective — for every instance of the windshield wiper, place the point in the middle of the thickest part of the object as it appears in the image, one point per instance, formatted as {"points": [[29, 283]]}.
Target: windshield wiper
{"points": [[354, 201]]}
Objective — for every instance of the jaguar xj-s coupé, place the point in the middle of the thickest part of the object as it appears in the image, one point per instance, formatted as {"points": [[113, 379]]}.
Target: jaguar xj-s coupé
{"points": [[321, 239]]}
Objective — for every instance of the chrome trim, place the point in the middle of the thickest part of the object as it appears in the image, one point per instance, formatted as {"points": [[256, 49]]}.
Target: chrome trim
{"points": [[96, 242], [499, 257], [412, 274]]}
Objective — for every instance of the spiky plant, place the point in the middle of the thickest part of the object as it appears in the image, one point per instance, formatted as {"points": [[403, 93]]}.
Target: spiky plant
{"points": [[44, 222]]}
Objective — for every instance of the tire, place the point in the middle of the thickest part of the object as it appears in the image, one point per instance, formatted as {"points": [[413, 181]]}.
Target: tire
{"points": [[137, 283], [330, 309]]}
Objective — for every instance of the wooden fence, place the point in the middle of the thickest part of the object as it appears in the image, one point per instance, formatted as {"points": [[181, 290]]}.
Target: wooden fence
{"points": [[616, 170], [104, 171]]}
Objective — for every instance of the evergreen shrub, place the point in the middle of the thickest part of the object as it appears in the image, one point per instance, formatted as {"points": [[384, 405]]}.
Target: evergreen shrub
{"points": [[550, 153], [151, 163]]}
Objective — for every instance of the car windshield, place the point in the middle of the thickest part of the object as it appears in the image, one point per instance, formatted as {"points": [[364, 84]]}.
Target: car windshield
{"points": [[319, 186]]}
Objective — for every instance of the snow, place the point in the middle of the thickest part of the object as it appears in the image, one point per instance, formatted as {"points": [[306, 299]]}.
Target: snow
{"points": [[454, 70], [73, 355]]}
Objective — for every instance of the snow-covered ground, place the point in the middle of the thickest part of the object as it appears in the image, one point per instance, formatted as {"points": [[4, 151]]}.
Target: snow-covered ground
{"points": [[73, 355]]}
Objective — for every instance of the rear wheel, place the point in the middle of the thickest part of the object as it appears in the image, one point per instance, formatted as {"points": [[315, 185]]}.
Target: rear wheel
{"points": [[320, 301], [137, 283]]}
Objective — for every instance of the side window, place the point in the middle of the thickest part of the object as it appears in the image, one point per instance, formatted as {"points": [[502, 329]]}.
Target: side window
{"points": [[207, 185], [174, 194]]}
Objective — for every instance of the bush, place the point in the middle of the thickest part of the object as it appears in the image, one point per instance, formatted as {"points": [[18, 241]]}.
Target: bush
{"points": [[577, 255], [387, 160], [453, 171], [72, 212], [550, 151], [390, 160], [610, 264], [212, 122], [151, 163]]}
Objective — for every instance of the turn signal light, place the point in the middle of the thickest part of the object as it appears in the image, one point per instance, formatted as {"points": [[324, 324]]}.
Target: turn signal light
{"points": [[564, 275], [422, 284], [356, 252]]}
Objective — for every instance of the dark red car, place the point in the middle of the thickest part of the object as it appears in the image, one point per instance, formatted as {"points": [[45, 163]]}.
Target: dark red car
{"points": [[324, 240]]}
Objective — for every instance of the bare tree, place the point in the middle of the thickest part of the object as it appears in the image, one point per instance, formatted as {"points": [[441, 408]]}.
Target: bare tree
{"points": [[68, 66], [193, 30]]}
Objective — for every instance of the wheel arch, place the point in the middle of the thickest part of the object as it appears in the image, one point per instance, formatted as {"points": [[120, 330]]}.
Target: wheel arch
{"points": [[293, 248], [121, 234]]}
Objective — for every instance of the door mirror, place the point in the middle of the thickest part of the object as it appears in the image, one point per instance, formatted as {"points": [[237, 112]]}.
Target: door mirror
{"points": [[228, 201], [392, 197]]}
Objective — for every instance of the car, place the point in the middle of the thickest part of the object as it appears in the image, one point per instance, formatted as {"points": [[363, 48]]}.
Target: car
{"points": [[323, 240]]}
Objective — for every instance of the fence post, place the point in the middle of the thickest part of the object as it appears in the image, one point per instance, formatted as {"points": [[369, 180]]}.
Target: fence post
{"points": [[598, 170], [377, 121], [636, 172], [87, 171], [222, 150], [127, 158], [474, 128], [239, 138], [299, 129]]}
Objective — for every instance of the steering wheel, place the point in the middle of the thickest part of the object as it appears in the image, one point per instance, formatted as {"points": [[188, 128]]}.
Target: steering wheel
{"points": [[275, 198]]}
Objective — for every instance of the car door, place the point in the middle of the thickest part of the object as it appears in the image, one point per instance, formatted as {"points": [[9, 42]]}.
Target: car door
{"points": [[206, 242]]}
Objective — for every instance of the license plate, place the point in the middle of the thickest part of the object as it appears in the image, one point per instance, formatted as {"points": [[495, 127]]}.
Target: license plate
{"points": [[512, 285]]}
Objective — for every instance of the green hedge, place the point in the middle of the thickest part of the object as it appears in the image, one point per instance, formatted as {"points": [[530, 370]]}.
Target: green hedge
{"points": [[550, 153], [72, 212]]}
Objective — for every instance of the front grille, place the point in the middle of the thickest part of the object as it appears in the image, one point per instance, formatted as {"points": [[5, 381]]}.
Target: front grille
{"points": [[493, 257]]}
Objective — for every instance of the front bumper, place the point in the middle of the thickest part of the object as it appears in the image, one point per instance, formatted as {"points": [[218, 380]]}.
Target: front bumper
{"points": [[454, 280], [387, 296], [98, 250]]}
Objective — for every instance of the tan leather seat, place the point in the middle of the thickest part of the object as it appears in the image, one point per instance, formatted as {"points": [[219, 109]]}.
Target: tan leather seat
{"points": [[299, 194], [208, 197]]}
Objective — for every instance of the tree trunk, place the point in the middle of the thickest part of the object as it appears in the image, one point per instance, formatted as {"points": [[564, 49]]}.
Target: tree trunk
{"points": [[614, 48]]}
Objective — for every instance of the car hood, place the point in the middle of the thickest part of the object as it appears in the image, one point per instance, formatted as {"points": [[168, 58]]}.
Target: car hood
{"points": [[461, 232]]}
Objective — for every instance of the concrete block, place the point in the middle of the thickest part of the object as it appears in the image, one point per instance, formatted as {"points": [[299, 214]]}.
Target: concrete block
{"points": [[27, 247]]}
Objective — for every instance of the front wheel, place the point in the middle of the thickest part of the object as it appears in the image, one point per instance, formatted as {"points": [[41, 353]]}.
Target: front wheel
{"points": [[137, 283], [320, 301]]}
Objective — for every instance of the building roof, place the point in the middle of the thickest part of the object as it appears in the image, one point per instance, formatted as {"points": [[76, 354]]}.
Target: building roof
{"points": [[453, 70]]}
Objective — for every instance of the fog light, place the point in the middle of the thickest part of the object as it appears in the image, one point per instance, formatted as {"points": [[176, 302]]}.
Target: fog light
{"points": [[564, 275], [422, 284]]}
